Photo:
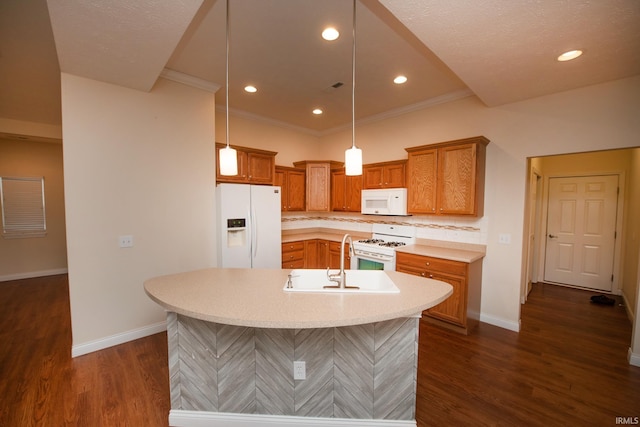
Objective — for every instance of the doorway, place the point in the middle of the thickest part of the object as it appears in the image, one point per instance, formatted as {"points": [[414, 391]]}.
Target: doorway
{"points": [[544, 170], [581, 231]]}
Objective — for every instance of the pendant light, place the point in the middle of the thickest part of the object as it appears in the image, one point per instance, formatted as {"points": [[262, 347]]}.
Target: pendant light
{"points": [[228, 156], [353, 155]]}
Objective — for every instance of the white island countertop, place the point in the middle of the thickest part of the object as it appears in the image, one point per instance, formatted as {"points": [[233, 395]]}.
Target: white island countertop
{"points": [[255, 298]]}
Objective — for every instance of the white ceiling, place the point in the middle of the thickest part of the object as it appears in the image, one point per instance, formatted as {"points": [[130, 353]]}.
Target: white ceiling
{"points": [[502, 51]]}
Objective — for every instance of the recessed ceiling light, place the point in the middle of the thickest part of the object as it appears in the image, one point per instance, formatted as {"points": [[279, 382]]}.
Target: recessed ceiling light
{"points": [[568, 56], [330, 34], [250, 89], [400, 79], [317, 111]]}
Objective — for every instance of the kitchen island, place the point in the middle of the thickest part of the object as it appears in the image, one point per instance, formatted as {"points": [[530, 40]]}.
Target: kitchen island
{"points": [[234, 335]]}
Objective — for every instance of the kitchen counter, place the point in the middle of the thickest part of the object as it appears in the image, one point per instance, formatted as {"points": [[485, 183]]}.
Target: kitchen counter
{"points": [[236, 339], [255, 298]]}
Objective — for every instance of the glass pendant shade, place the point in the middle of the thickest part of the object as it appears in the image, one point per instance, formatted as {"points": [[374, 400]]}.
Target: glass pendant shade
{"points": [[353, 161], [228, 158]]}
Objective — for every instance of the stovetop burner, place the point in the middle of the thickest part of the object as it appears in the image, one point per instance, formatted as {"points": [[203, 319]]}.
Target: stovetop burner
{"points": [[371, 241], [381, 242], [392, 244]]}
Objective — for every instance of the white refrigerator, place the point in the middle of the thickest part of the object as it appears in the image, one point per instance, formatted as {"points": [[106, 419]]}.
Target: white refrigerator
{"points": [[249, 228]]}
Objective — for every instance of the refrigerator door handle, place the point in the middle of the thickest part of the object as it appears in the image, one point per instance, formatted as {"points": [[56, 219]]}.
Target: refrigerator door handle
{"points": [[254, 232]]}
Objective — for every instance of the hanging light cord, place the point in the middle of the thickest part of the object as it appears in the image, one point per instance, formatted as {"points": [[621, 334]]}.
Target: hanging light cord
{"points": [[353, 82], [227, 77]]}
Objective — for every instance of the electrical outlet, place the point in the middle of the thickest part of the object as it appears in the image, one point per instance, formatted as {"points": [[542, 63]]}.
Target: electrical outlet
{"points": [[299, 370], [126, 241]]}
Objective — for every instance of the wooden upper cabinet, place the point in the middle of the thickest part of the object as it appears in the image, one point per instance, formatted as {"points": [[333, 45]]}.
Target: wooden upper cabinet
{"points": [[422, 168], [384, 175], [345, 191], [318, 184], [447, 178], [292, 184], [458, 193], [254, 166]]}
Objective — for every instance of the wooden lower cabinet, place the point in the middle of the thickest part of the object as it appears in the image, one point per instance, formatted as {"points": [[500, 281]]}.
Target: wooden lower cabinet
{"points": [[462, 309], [314, 253], [293, 255], [334, 255]]}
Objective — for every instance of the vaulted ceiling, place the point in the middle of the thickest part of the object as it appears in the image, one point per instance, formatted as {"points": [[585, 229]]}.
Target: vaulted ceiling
{"points": [[502, 51]]}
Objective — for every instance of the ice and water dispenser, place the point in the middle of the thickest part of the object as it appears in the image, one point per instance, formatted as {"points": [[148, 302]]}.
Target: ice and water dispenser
{"points": [[236, 232]]}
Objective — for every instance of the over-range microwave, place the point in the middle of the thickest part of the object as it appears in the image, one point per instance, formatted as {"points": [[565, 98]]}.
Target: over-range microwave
{"points": [[386, 201]]}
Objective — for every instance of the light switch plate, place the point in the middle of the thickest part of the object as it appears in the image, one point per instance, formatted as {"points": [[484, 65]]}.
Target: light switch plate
{"points": [[504, 238]]}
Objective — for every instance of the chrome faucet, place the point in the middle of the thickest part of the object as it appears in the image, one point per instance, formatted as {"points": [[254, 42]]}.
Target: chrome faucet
{"points": [[341, 277]]}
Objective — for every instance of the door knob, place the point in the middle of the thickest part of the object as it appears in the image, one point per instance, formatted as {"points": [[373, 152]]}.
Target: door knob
{"points": [[551, 236]]}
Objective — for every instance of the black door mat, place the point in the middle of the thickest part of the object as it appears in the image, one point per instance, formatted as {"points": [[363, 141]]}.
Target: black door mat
{"points": [[603, 299]]}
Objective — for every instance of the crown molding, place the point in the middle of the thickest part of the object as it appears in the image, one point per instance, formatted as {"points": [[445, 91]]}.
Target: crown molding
{"points": [[177, 76]]}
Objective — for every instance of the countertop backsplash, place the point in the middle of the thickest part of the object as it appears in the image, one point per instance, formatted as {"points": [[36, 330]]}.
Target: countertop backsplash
{"points": [[458, 229]]}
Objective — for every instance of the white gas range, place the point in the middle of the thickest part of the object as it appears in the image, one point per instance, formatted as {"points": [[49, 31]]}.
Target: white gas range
{"points": [[379, 252]]}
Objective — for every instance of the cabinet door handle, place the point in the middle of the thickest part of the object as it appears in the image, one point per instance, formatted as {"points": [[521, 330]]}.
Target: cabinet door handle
{"points": [[431, 276], [427, 263], [423, 274]]}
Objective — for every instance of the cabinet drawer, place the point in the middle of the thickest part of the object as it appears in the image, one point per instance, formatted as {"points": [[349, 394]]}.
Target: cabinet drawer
{"points": [[424, 263], [334, 246], [292, 247], [298, 263], [293, 255]]}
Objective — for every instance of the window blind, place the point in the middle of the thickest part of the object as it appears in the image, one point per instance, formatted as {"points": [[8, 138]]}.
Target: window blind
{"points": [[23, 213]]}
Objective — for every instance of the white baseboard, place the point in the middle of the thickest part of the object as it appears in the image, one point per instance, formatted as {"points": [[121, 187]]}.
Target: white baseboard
{"points": [[500, 322], [181, 418], [32, 274], [634, 358], [627, 308], [110, 341]]}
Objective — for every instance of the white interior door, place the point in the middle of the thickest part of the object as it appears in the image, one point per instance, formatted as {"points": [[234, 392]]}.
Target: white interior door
{"points": [[581, 227]]}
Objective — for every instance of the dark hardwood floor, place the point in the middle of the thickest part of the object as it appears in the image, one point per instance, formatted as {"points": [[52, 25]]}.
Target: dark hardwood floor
{"points": [[567, 366]]}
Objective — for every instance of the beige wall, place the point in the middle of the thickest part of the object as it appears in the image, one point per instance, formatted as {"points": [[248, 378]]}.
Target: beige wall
{"points": [[35, 256], [42, 131], [138, 164], [291, 145], [631, 249]]}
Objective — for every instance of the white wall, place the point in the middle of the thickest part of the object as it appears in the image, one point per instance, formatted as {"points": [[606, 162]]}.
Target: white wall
{"points": [[140, 164], [593, 118]]}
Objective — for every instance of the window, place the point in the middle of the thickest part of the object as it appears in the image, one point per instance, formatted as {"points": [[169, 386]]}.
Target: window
{"points": [[23, 212]]}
